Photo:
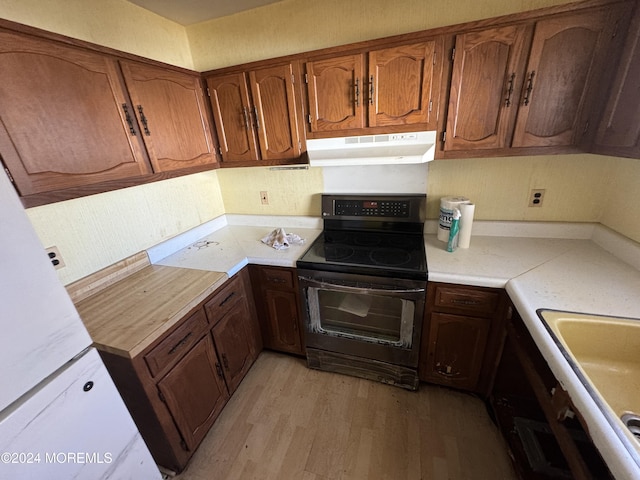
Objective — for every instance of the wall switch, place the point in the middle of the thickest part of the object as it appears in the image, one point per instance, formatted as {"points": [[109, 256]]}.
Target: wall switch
{"points": [[264, 198], [536, 197], [55, 257]]}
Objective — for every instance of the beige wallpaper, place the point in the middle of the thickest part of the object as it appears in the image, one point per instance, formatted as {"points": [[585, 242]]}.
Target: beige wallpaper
{"points": [[113, 23], [96, 231], [294, 26], [621, 210]]}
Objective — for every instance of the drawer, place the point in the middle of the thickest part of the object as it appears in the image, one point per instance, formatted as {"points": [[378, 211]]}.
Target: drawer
{"points": [[468, 300], [231, 292], [278, 278], [177, 343]]}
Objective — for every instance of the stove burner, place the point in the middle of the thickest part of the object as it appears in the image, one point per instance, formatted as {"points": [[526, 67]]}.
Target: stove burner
{"points": [[390, 257], [367, 240], [338, 253]]}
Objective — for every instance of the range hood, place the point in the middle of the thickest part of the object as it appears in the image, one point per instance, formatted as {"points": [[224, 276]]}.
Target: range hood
{"points": [[384, 149]]}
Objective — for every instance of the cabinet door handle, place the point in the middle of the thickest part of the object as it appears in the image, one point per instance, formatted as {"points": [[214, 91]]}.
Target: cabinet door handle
{"points": [[371, 90], [229, 297], [219, 370], [527, 95], [180, 343], [246, 118], [357, 92], [225, 361], [507, 101], [143, 119], [256, 119], [132, 130]]}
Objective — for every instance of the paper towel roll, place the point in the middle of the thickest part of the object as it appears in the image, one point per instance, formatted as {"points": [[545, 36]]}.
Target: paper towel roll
{"points": [[447, 204], [466, 222]]}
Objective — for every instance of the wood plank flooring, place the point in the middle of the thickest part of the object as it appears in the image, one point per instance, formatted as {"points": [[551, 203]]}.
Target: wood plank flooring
{"points": [[286, 421]]}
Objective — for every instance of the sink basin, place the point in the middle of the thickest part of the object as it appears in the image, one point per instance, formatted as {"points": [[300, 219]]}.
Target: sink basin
{"points": [[607, 349]]}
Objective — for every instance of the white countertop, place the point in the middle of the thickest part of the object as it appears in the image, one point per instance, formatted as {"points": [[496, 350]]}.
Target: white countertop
{"points": [[577, 275]]}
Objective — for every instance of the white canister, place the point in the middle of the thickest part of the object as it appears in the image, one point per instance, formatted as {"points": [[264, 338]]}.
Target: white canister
{"points": [[447, 204]]}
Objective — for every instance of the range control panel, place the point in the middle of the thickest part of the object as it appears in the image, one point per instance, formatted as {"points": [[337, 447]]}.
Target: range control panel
{"points": [[394, 208], [372, 208]]}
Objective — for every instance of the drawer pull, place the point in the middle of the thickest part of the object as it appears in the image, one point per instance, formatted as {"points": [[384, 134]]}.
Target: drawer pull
{"points": [[180, 343], [465, 302], [226, 299], [219, 370], [276, 280]]}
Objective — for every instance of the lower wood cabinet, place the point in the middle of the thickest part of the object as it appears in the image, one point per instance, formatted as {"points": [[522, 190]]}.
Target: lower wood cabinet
{"points": [[195, 392], [547, 436], [278, 307], [176, 388], [463, 333]]}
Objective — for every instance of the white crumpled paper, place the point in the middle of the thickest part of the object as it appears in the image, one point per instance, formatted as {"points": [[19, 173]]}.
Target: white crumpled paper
{"points": [[279, 239]]}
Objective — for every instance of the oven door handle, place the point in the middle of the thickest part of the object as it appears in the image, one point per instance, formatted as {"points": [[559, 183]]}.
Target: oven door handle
{"points": [[360, 289]]}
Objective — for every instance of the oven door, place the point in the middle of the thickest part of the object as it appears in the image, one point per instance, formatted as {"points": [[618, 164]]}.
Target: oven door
{"points": [[371, 317]]}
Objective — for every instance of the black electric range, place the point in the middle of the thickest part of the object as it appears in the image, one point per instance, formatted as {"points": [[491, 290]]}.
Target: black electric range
{"points": [[377, 235]]}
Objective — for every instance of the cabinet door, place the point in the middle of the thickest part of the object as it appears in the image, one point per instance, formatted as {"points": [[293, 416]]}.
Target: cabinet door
{"points": [[567, 59], [400, 84], [171, 112], [456, 349], [619, 130], [282, 321], [195, 392], [485, 87], [336, 93], [64, 117], [233, 342], [275, 112], [233, 117]]}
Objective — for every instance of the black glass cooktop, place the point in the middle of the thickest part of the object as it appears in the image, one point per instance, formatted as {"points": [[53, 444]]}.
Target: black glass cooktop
{"points": [[370, 253]]}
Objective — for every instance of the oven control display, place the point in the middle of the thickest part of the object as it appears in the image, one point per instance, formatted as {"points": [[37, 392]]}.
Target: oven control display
{"points": [[372, 208]]}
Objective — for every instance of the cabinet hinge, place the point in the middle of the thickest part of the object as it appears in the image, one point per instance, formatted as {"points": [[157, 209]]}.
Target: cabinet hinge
{"points": [[306, 78], [220, 151], [161, 396], [208, 92], [309, 119], [430, 105], [9, 175], [435, 57], [586, 127], [293, 78], [453, 53], [509, 312], [444, 136], [299, 146], [614, 34]]}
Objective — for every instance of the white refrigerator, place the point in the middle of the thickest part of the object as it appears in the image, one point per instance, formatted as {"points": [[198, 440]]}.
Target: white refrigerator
{"points": [[61, 416]]}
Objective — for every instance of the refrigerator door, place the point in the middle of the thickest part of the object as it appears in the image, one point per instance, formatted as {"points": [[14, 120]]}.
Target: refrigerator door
{"points": [[41, 329], [73, 425]]}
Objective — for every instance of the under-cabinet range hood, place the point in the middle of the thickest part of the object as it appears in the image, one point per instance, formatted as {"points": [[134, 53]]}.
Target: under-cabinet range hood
{"points": [[384, 149]]}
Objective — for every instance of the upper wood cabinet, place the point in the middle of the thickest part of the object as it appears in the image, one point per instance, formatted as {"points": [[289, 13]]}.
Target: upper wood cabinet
{"points": [[257, 115], [497, 101], [169, 106], [66, 120], [619, 130], [76, 121], [390, 87]]}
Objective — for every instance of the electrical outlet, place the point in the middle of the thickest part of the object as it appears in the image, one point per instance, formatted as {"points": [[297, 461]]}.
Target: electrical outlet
{"points": [[55, 257], [264, 198], [536, 197]]}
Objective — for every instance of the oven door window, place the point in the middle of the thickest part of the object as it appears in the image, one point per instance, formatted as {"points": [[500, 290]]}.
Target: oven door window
{"points": [[368, 317]]}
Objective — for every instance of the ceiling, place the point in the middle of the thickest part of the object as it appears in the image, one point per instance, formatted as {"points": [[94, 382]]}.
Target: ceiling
{"points": [[186, 12]]}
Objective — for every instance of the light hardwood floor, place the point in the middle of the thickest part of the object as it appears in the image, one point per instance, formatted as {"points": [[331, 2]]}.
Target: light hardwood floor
{"points": [[286, 421]]}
